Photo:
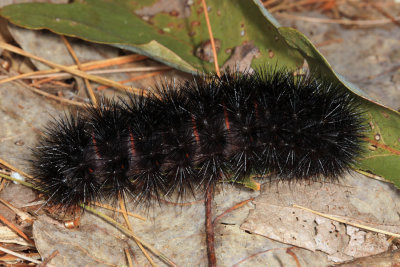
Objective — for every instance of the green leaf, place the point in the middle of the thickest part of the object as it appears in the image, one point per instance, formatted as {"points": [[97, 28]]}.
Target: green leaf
{"points": [[382, 150], [382, 155], [168, 34]]}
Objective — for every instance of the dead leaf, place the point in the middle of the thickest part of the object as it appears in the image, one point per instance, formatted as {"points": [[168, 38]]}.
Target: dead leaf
{"points": [[355, 198], [242, 57]]}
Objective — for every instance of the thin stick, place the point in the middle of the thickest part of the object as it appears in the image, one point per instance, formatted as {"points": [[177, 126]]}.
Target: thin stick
{"points": [[14, 228], [128, 257], [86, 66], [20, 182], [148, 75], [124, 213], [37, 83], [112, 62], [291, 253], [19, 255], [269, 2], [62, 100], [69, 69], [22, 214], [257, 254], [9, 166], [238, 205], [181, 204], [211, 38], [370, 175], [49, 258], [102, 71], [120, 211], [386, 14], [347, 222], [26, 75], [129, 233], [340, 21], [212, 260], [88, 86], [285, 6], [2, 184]]}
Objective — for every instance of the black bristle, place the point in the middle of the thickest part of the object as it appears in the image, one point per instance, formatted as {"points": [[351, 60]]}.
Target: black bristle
{"points": [[146, 146], [193, 135], [110, 138], [65, 162], [240, 108], [209, 129], [178, 140]]}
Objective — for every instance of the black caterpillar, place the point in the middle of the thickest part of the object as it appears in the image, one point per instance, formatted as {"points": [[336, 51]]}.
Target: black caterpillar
{"points": [[190, 136]]}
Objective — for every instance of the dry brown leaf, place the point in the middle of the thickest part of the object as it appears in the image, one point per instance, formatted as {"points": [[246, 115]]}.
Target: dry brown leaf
{"points": [[242, 57], [355, 198]]}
